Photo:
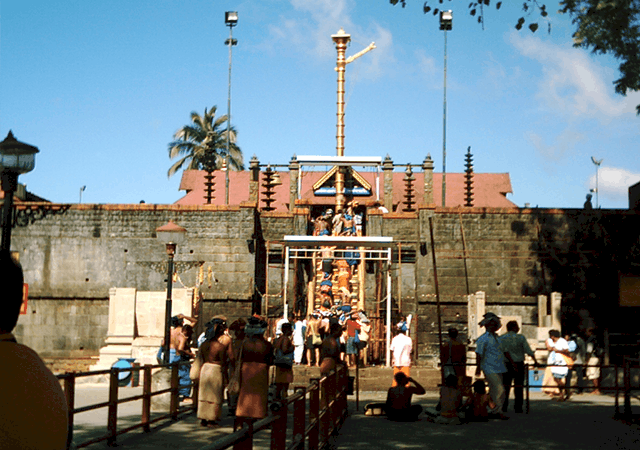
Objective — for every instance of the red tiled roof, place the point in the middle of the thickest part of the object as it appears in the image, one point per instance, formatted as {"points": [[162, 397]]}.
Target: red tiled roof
{"points": [[489, 189]]}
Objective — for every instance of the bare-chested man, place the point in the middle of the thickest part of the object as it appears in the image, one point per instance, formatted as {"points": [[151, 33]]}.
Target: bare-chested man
{"points": [[213, 376], [330, 350], [179, 350]]}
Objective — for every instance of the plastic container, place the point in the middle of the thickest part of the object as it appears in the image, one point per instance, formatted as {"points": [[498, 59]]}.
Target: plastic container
{"points": [[535, 379], [124, 376]]}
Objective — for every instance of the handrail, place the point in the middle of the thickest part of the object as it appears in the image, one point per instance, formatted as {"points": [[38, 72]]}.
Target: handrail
{"points": [[69, 385], [315, 424]]}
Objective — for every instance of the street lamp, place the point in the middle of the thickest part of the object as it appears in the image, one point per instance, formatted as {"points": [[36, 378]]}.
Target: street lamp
{"points": [[446, 24], [231, 20], [15, 158], [171, 235], [597, 163]]}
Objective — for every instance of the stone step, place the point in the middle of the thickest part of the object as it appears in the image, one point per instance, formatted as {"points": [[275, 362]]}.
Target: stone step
{"points": [[64, 365], [372, 378]]}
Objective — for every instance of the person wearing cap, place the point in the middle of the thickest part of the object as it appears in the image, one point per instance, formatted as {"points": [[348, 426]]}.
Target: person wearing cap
{"points": [[490, 358]]}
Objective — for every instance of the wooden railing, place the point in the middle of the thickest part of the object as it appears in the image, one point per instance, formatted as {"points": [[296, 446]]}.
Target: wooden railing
{"points": [[112, 431], [318, 413]]}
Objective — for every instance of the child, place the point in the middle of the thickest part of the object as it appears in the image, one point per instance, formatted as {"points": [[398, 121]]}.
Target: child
{"points": [[478, 404], [450, 402]]}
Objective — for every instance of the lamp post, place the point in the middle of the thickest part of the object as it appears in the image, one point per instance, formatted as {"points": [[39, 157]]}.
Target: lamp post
{"points": [[446, 23], [15, 158], [597, 163], [231, 20], [171, 235]]}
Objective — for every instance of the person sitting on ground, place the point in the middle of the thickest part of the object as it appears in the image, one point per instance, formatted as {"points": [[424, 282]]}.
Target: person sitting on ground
{"points": [[398, 406], [450, 403], [477, 406], [34, 409]]}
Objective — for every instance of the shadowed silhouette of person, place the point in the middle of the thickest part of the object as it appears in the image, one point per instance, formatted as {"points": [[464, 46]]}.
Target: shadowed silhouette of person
{"points": [[34, 410]]}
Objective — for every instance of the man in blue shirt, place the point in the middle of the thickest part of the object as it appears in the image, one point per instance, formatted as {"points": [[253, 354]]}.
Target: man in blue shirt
{"points": [[490, 359]]}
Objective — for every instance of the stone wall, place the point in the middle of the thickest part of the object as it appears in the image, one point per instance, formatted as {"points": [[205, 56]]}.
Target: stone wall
{"points": [[513, 255], [72, 328], [72, 259]]}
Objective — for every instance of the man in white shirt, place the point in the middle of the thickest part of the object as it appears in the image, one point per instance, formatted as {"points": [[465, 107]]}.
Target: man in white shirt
{"points": [[401, 347]]}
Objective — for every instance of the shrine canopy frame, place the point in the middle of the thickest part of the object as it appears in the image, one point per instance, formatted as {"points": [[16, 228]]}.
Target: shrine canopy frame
{"points": [[344, 161], [377, 248]]}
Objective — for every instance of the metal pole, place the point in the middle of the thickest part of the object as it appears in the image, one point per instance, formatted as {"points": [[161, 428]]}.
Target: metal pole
{"points": [[167, 311], [597, 187], [444, 126], [226, 173], [285, 313], [9, 184], [388, 337], [435, 280]]}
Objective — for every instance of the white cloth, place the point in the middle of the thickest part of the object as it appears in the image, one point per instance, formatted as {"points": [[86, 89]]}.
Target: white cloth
{"points": [[401, 346], [298, 351], [560, 344], [279, 325], [298, 332], [552, 355]]}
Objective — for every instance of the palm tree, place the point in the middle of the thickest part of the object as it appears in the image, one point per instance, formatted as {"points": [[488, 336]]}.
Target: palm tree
{"points": [[204, 141]]}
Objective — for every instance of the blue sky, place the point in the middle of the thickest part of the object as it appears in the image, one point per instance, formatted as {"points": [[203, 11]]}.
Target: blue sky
{"points": [[100, 88]]}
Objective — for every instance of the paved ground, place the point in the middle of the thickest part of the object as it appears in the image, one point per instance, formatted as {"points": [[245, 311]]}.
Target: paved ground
{"points": [[583, 423]]}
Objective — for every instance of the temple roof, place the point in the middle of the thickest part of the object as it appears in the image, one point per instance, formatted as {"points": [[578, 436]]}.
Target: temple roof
{"points": [[489, 189]]}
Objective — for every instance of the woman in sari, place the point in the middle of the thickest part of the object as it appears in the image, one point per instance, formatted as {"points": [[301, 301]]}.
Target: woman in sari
{"points": [[212, 375], [257, 356]]}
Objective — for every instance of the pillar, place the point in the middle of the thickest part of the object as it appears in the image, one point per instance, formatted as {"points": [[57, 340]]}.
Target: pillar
{"points": [[387, 168], [427, 168], [254, 182], [294, 173]]}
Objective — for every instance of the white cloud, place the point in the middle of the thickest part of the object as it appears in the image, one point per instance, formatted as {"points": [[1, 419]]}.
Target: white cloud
{"points": [[572, 83], [564, 144], [312, 24], [613, 182]]}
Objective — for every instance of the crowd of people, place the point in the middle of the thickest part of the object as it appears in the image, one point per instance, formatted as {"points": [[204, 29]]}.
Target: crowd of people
{"points": [[264, 367], [332, 336], [501, 360]]}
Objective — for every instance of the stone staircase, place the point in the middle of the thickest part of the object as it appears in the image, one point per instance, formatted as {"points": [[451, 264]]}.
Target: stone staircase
{"points": [[335, 272], [375, 378]]}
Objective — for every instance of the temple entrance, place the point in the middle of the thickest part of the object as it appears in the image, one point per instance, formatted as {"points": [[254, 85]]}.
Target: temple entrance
{"points": [[338, 267]]}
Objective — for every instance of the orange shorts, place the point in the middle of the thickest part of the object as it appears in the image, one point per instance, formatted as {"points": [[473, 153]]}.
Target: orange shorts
{"points": [[405, 369]]}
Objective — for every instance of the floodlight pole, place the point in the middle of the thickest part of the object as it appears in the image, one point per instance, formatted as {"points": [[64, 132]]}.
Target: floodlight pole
{"points": [[446, 21], [231, 19]]}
